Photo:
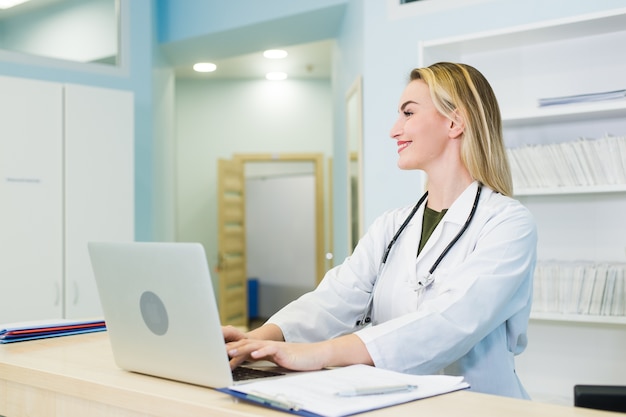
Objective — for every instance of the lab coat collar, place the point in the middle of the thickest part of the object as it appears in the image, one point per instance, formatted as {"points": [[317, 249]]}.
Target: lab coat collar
{"points": [[455, 216], [460, 209]]}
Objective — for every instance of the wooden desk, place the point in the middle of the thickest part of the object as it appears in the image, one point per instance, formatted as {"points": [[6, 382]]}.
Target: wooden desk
{"points": [[76, 376]]}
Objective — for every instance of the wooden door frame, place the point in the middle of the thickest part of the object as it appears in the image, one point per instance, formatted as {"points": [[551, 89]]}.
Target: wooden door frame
{"points": [[232, 294], [318, 162]]}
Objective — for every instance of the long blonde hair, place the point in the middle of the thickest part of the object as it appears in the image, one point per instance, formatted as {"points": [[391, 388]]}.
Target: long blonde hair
{"points": [[461, 90]]}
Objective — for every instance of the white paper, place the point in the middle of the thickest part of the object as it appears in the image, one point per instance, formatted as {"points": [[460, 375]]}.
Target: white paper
{"points": [[315, 392]]}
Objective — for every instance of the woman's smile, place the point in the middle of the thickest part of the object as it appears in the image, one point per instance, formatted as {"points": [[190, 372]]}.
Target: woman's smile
{"points": [[402, 145]]}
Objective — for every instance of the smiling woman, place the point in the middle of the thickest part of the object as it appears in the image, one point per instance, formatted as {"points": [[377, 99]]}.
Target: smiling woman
{"points": [[72, 30]]}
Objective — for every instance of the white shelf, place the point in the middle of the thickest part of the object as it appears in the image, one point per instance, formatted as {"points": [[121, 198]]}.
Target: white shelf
{"points": [[579, 222], [578, 318], [520, 65], [564, 113], [524, 35], [596, 189]]}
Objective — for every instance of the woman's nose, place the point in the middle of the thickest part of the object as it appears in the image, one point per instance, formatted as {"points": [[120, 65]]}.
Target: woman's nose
{"points": [[396, 130]]}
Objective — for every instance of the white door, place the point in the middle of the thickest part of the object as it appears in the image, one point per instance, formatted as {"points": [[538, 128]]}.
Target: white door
{"points": [[281, 237], [31, 206], [99, 190]]}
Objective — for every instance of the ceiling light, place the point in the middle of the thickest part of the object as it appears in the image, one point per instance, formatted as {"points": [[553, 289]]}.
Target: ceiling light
{"points": [[204, 67], [276, 76], [275, 54], [5, 4]]}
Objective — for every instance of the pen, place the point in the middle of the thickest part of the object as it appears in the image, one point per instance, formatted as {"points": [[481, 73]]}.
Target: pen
{"points": [[276, 401], [377, 390]]}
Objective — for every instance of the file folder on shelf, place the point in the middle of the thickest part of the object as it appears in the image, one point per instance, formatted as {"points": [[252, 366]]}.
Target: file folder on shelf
{"points": [[318, 394], [583, 98], [19, 332]]}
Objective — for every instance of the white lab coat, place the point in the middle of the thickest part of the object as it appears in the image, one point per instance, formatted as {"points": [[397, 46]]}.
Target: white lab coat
{"points": [[471, 321]]}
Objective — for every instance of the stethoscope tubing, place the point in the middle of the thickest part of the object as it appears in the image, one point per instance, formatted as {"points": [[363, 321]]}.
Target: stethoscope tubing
{"points": [[365, 318]]}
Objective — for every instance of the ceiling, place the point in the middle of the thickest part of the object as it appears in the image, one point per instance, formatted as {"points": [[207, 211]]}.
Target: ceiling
{"points": [[24, 8], [309, 60], [308, 37], [238, 54]]}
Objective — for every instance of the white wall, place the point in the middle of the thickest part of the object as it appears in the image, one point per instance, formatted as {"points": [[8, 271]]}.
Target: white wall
{"points": [[216, 119], [561, 354], [164, 224]]}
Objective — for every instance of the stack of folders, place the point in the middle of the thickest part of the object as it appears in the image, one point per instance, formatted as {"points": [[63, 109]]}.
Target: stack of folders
{"points": [[589, 288], [344, 391], [582, 162], [19, 332]]}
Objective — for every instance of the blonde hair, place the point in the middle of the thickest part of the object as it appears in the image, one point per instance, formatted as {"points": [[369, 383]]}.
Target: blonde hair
{"points": [[459, 90]]}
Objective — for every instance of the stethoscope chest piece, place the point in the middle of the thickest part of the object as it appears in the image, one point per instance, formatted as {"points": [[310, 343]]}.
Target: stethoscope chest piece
{"points": [[422, 283]]}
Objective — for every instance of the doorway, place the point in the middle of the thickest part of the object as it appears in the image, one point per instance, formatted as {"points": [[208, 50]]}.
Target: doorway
{"points": [[287, 193]]}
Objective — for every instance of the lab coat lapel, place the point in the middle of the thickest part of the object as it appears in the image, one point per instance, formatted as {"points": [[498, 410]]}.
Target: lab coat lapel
{"points": [[411, 236]]}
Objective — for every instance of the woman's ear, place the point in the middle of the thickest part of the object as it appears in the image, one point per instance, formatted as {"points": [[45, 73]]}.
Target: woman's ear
{"points": [[457, 126]]}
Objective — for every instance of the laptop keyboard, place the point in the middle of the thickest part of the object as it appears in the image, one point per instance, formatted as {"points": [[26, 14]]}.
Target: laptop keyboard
{"points": [[243, 373]]}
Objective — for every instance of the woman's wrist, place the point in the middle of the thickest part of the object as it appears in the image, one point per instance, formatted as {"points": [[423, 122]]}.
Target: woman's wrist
{"points": [[344, 351], [266, 332]]}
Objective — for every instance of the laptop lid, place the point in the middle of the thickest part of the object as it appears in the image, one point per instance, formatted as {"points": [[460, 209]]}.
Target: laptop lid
{"points": [[160, 310]]}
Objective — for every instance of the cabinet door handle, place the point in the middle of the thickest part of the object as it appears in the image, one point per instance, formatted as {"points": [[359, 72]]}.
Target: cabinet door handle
{"points": [[75, 301], [57, 294]]}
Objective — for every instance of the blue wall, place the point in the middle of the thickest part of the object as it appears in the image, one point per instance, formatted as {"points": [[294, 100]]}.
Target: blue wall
{"points": [[369, 43], [347, 66], [184, 19]]}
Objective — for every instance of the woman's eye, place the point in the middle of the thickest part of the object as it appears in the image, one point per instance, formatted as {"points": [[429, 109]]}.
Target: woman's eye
{"points": [[407, 113]]}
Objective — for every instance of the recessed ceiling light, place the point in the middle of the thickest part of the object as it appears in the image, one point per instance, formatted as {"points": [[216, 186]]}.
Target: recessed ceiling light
{"points": [[275, 54], [204, 67], [276, 76], [5, 4]]}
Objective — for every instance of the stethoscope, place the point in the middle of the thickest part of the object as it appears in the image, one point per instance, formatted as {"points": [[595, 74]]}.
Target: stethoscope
{"points": [[428, 279]]}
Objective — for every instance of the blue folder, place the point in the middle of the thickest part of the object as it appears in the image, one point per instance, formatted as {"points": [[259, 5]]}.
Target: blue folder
{"points": [[40, 330]]}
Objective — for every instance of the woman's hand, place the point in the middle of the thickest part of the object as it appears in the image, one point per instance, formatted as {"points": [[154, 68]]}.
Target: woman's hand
{"points": [[295, 356], [232, 334], [343, 351]]}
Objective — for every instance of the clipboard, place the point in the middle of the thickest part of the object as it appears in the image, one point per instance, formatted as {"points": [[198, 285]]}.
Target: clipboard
{"points": [[316, 394]]}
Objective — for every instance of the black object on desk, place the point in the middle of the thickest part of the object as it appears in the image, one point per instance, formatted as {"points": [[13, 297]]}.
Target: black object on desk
{"points": [[601, 397]]}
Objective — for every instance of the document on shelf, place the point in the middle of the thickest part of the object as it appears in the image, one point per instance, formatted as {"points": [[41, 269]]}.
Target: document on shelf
{"points": [[343, 391], [583, 98], [41, 329]]}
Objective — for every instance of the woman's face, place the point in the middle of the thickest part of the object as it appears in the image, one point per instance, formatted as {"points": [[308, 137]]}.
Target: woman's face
{"points": [[421, 132]]}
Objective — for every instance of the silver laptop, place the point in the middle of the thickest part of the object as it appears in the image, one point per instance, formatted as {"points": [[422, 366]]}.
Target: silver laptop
{"points": [[160, 311]]}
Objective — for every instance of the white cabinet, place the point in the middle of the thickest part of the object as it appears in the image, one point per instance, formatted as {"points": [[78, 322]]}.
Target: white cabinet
{"points": [[578, 55], [67, 178]]}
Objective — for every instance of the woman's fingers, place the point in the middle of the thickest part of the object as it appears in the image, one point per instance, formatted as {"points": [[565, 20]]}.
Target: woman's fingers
{"points": [[232, 334]]}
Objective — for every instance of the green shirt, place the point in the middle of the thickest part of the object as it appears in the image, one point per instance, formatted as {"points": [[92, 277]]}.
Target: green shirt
{"points": [[430, 221]]}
